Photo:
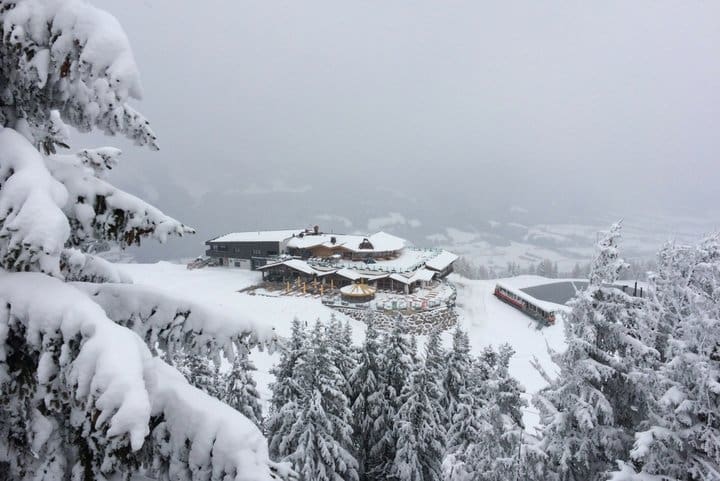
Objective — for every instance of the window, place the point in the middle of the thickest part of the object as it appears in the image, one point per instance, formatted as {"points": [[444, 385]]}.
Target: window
{"points": [[256, 252]]}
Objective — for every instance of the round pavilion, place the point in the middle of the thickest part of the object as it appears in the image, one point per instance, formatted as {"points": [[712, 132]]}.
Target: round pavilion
{"points": [[357, 293]]}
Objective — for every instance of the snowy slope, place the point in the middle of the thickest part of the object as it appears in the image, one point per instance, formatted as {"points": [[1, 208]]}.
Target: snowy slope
{"points": [[488, 321], [492, 322], [218, 287]]}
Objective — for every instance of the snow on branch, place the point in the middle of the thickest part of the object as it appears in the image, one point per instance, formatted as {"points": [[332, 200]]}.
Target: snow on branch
{"points": [[100, 160], [33, 228], [69, 372], [79, 266], [607, 264], [69, 56], [173, 324], [99, 211]]}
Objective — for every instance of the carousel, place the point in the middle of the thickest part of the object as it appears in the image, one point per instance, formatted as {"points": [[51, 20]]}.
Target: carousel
{"points": [[357, 293]]}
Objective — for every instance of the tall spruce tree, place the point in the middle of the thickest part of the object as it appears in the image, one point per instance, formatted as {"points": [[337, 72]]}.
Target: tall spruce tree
{"points": [[682, 441], [83, 392], [339, 336], [287, 391], [321, 435], [457, 366], [240, 389], [369, 403], [485, 435], [398, 364], [418, 430], [590, 412], [201, 372]]}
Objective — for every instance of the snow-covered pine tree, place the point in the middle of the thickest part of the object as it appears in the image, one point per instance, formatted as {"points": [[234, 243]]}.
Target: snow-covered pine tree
{"points": [[369, 403], [340, 343], [542, 268], [485, 436], [590, 412], [576, 271], [201, 372], [240, 389], [396, 369], [321, 433], [418, 429], [287, 391], [683, 439], [507, 391], [83, 394], [456, 368]]}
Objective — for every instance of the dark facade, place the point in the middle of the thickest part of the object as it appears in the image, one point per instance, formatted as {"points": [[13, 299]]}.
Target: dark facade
{"points": [[256, 252]]}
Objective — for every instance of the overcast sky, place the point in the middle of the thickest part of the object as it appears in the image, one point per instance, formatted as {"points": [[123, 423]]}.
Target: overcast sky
{"points": [[270, 112]]}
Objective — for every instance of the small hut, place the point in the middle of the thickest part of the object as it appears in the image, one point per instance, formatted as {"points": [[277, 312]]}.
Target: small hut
{"points": [[357, 293]]}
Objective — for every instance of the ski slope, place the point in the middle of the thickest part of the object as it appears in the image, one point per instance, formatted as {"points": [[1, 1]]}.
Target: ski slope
{"points": [[487, 320]]}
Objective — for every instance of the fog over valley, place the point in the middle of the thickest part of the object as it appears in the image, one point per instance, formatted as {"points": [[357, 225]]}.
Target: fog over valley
{"points": [[451, 116]]}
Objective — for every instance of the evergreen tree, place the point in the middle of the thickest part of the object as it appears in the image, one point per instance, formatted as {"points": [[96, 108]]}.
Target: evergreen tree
{"points": [[507, 395], [457, 367], [287, 391], [240, 389], [340, 343], [682, 441], [485, 435], [398, 363], [83, 393], [201, 372], [542, 268], [369, 403], [320, 437], [434, 353], [418, 429], [590, 412], [576, 271]]}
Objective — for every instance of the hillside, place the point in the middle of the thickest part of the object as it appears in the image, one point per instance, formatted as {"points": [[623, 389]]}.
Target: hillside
{"points": [[488, 321]]}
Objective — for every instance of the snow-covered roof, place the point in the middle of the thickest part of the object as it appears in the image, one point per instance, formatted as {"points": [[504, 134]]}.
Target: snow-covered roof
{"points": [[380, 241], [357, 290], [297, 265], [423, 275], [419, 275], [400, 278], [441, 261], [355, 275], [545, 305], [259, 236]]}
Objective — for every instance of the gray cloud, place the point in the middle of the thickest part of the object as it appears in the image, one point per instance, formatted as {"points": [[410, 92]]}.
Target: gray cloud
{"points": [[450, 113]]}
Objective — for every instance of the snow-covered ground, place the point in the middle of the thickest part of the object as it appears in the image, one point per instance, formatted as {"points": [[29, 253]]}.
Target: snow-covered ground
{"points": [[492, 322], [488, 321], [495, 244]]}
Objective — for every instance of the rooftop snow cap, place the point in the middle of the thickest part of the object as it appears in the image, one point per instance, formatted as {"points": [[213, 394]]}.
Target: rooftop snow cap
{"points": [[258, 236], [379, 242]]}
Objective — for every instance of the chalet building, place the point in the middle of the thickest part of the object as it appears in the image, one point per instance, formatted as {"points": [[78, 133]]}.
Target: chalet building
{"points": [[381, 260], [249, 250]]}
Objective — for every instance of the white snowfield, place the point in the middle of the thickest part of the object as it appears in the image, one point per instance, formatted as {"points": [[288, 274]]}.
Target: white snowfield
{"points": [[488, 320]]}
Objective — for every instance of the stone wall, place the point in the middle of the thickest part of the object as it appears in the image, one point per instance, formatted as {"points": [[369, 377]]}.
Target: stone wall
{"points": [[417, 323]]}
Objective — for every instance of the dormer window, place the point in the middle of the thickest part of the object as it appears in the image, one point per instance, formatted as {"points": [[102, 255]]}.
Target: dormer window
{"points": [[365, 244]]}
